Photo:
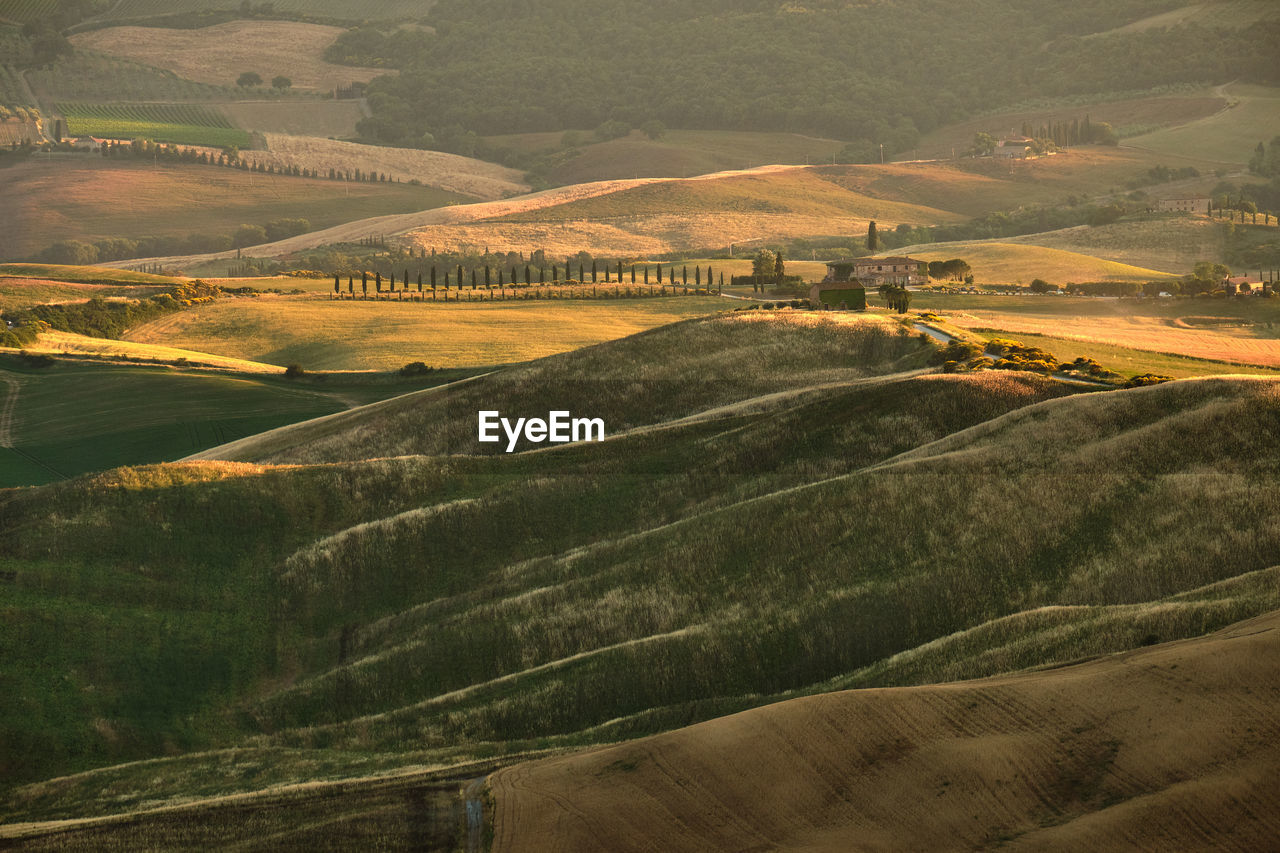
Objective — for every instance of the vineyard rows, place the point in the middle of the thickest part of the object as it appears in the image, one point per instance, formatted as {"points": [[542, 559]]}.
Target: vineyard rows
{"points": [[178, 123], [93, 77], [12, 93], [23, 11], [188, 114]]}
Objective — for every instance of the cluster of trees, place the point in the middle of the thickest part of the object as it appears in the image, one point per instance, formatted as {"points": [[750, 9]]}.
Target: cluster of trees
{"points": [[230, 157], [871, 74], [122, 248], [1078, 131], [251, 79], [896, 297], [100, 318], [954, 269]]}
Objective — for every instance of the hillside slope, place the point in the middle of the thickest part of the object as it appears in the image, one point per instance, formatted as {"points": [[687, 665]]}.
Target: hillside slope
{"points": [[1159, 749]]}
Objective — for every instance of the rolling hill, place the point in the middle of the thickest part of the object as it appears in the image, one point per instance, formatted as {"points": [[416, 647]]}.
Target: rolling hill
{"points": [[1156, 749], [86, 197], [653, 216], [786, 505]]}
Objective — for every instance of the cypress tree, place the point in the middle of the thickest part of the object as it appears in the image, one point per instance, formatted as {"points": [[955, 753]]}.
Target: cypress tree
{"points": [[419, 280], [646, 273], [337, 284], [528, 279], [433, 277], [697, 276], [473, 278], [873, 239], [633, 273], [351, 285], [377, 283], [593, 270], [542, 275], [684, 272], [486, 275]]}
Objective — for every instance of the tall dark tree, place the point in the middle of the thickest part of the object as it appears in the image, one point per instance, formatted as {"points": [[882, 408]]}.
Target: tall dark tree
{"points": [[873, 239], [779, 267]]}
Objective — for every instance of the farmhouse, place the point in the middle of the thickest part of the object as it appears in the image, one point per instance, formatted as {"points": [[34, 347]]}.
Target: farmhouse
{"points": [[838, 294], [1185, 204], [874, 272], [86, 143]]}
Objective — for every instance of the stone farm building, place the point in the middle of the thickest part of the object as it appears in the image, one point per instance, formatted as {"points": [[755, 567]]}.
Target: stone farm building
{"points": [[1185, 204], [873, 272]]}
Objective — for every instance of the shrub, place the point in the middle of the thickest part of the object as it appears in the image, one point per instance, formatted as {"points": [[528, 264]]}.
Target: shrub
{"points": [[415, 368], [1147, 379], [294, 371]]}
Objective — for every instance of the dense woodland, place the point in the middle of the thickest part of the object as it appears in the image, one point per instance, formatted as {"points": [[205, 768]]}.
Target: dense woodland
{"points": [[872, 74]]}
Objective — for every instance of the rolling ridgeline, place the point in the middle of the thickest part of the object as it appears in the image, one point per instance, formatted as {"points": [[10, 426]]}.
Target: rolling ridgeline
{"points": [[786, 504]]}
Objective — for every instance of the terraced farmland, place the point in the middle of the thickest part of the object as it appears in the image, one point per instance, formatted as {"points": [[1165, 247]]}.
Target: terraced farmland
{"points": [[181, 123]]}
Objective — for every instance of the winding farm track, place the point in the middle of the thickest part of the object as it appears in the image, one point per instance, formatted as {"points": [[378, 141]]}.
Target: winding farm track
{"points": [[8, 408]]}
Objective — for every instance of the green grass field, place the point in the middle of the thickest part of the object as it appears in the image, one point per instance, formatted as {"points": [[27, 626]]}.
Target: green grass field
{"points": [[321, 334], [180, 123], [73, 418]]}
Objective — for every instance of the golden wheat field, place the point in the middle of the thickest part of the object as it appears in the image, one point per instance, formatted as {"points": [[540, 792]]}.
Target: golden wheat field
{"points": [[1235, 332], [221, 53], [337, 335]]}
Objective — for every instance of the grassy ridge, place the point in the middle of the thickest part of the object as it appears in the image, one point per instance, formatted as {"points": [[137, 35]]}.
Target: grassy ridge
{"points": [[843, 527]]}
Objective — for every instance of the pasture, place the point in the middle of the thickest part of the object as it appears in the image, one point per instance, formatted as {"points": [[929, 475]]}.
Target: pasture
{"points": [[999, 262], [1171, 243], [1238, 331], [179, 123], [85, 197], [219, 54], [1252, 115], [321, 334]]}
